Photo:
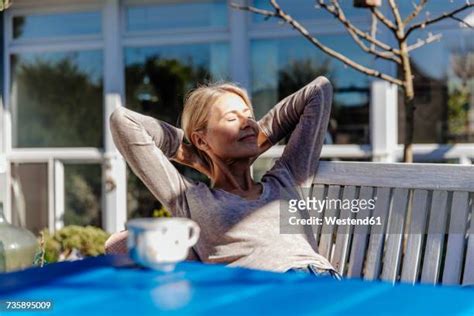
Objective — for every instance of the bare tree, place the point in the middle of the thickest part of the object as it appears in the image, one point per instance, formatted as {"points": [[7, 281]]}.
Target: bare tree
{"points": [[400, 27]]}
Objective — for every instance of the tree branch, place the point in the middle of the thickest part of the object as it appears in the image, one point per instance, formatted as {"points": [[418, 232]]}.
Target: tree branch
{"points": [[279, 13], [415, 12], [339, 14], [373, 27], [276, 6], [431, 38], [263, 12], [439, 18], [382, 18], [462, 21], [341, 17], [398, 18]]}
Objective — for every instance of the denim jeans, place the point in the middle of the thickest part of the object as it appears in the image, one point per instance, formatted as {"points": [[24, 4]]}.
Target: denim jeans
{"points": [[318, 272]]}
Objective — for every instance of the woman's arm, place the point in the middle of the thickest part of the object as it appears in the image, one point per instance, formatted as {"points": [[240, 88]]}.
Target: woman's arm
{"points": [[147, 144], [281, 120], [305, 116]]}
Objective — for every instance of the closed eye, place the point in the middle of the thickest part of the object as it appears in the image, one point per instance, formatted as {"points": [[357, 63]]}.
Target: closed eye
{"points": [[233, 117]]}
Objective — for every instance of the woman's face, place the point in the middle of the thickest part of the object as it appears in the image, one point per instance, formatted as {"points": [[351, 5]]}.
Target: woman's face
{"points": [[231, 130]]}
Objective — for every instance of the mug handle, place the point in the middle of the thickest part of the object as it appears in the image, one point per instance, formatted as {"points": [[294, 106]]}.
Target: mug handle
{"points": [[195, 230]]}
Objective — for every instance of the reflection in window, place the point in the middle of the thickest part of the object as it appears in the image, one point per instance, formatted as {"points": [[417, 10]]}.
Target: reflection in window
{"points": [[83, 188], [281, 67], [29, 191], [191, 14], [306, 10], [157, 79], [56, 99], [444, 89], [57, 24]]}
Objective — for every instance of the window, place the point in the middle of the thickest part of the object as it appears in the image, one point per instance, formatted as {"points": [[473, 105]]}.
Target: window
{"points": [[55, 93], [157, 79], [47, 25], [157, 76], [56, 99], [83, 187], [280, 67], [183, 15], [444, 89]]}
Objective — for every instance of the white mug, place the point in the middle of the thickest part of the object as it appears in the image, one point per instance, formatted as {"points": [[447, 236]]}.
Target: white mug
{"points": [[159, 243]]}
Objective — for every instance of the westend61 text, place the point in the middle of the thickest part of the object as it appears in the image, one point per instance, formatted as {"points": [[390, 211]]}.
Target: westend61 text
{"points": [[332, 220]]}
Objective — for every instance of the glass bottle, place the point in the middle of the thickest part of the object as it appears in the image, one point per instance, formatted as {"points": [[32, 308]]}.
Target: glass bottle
{"points": [[18, 246]]}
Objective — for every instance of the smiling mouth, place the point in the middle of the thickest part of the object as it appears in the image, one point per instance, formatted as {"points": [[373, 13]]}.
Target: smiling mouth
{"points": [[248, 137]]}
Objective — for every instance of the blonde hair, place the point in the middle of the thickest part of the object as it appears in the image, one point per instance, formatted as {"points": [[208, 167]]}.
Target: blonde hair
{"points": [[198, 104]]}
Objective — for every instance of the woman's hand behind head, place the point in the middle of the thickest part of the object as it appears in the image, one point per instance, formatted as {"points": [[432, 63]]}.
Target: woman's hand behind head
{"points": [[263, 145], [188, 155]]}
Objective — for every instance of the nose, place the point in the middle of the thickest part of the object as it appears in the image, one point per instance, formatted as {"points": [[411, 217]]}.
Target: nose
{"points": [[245, 121]]}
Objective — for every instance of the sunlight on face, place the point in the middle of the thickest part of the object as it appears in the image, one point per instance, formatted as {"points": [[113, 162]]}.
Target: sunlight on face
{"points": [[232, 130]]}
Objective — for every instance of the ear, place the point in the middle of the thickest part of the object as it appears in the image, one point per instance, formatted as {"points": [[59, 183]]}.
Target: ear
{"points": [[198, 139]]}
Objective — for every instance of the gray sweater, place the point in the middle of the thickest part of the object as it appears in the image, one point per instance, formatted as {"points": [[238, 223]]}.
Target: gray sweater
{"points": [[236, 231]]}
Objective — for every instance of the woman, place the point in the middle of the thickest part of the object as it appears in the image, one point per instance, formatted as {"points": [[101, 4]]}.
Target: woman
{"points": [[239, 218]]}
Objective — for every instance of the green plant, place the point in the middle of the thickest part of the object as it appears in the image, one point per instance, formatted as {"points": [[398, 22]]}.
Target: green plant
{"points": [[69, 243], [458, 108], [162, 212]]}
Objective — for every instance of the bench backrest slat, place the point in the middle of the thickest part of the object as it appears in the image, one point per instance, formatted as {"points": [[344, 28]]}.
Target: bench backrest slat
{"points": [[391, 261], [326, 240], [468, 276], [435, 237], [377, 236], [319, 193], [417, 226], [397, 175], [427, 229], [359, 239], [341, 250], [456, 241]]}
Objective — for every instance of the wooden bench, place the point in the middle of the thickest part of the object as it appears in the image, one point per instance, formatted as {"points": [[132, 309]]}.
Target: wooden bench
{"points": [[427, 232]]}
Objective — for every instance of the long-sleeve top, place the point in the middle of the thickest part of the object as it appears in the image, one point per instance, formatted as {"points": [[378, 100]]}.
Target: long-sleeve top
{"points": [[234, 230]]}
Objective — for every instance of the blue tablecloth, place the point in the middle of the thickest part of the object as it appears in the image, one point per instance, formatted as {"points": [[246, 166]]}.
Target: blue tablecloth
{"points": [[109, 285]]}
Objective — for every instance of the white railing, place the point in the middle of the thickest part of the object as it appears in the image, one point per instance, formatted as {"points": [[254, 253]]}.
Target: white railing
{"points": [[464, 153]]}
